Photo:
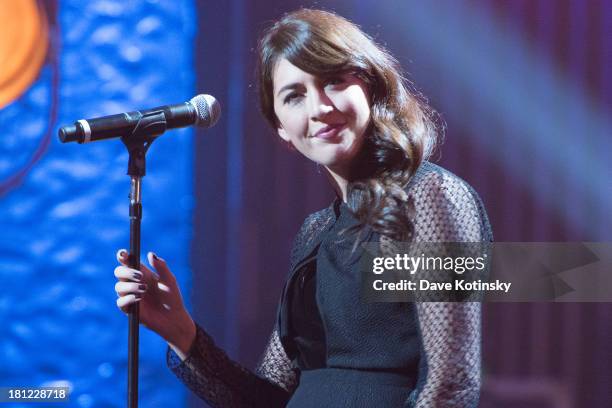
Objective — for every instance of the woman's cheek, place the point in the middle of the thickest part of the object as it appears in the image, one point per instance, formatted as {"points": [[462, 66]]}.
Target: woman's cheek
{"points": [[341, 101]]}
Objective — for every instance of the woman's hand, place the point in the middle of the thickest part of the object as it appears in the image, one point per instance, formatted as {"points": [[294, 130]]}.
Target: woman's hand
{"points": [[161, 304]]}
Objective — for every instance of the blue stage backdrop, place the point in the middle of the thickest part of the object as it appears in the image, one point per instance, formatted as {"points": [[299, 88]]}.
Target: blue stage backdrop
{"points": [[64, 208]]}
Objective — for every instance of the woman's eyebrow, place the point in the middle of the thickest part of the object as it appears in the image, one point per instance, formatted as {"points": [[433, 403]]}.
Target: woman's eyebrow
{"points": [[293, 85]]}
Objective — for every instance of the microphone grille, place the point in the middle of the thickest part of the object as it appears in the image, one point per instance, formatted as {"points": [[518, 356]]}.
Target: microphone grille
{"points": [[207, 108]]}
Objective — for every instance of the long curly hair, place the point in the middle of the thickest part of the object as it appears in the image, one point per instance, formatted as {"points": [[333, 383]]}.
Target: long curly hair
{"points": [[403, 129]]}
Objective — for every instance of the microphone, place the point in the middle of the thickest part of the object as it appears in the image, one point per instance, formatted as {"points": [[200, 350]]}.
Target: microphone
{"points": [[202, 110]]}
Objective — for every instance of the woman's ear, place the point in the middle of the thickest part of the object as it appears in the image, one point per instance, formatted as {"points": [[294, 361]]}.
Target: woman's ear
{"points": [[283, 134]]}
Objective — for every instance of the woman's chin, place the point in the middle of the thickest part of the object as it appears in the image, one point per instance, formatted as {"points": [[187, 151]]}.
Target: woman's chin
{"points": [[331, 154], [337, 161]]}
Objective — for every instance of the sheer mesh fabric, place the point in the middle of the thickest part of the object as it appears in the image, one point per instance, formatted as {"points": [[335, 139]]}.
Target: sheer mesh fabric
{"points": [[276, 366], [222, 382], [447, 210]]}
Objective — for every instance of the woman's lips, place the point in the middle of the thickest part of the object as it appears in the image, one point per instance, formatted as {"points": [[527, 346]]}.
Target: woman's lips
{"points": [[329, 131]]}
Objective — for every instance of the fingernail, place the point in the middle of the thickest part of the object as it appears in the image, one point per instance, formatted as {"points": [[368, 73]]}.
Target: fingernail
{"points": [[123, 253], [142, 287], [137, 296], [137, 275], [155, 256]]}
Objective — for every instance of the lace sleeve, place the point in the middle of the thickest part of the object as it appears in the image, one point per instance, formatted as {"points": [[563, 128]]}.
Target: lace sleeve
{"points": [[448, 210], [275, 365], [220, 381]]}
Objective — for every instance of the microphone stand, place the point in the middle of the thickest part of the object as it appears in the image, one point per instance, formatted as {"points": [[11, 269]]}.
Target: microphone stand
{"points": [[137, 143]]}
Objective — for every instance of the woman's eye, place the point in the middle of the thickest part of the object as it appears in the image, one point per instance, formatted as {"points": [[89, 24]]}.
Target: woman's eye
{"points": [[291, 98], [334, 81]]}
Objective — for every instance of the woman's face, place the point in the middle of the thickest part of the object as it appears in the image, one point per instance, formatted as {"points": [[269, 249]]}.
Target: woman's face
{"points": [[323, 118]]}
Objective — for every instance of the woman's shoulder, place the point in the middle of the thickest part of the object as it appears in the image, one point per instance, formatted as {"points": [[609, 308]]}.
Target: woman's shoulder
{"points": [[433, 176], [317, 220], [431, 180], [443, 200], [312, 226]]}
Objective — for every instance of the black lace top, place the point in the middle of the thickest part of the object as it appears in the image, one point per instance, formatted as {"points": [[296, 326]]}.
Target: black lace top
{"points": [[447, 210]]}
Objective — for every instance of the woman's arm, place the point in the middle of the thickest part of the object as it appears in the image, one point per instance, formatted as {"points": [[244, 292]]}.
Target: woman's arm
{"points": [[222, 382], [200, 364], [450, 374], [275, 365], [448, 210]]}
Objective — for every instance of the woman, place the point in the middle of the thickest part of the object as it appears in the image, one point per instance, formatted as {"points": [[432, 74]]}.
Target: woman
{"points": [[336, 97]]}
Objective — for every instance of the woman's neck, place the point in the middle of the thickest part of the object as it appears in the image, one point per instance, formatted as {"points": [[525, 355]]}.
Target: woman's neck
{"points": [[338, 181]]}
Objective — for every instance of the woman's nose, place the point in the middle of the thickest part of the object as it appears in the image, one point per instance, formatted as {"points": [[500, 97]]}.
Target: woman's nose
{"points": [[320, 106]]}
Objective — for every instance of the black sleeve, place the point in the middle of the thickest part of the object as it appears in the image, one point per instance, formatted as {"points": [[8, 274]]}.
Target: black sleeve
{"points": [[448, 210], [220, 381]]}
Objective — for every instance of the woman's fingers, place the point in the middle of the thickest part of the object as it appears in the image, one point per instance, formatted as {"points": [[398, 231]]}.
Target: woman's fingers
{"points": [[125, 273], [122, 258], [133, 284], [161, 267], [125, 288], [124, 301]]}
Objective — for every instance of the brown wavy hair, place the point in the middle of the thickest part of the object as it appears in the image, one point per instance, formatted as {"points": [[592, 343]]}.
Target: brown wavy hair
{"points": [[402, 130]]}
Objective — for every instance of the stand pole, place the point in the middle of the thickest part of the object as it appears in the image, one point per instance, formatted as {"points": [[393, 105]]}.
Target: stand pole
{"points": [[134, 315], [150, 125]]}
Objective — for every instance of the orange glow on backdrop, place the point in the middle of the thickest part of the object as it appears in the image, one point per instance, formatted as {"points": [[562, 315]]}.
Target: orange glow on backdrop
{"points": [[24, 40]]}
